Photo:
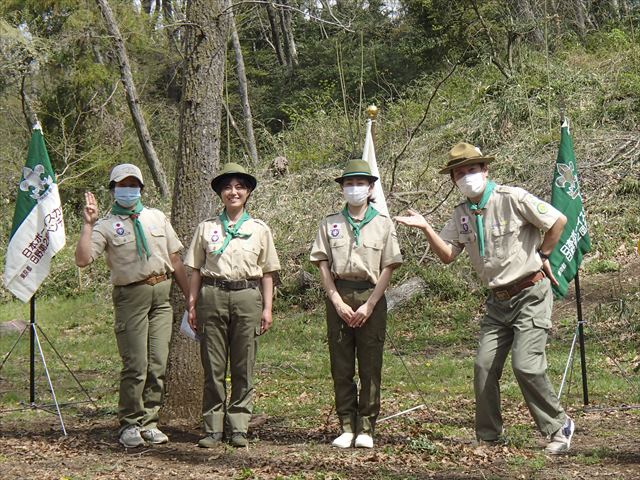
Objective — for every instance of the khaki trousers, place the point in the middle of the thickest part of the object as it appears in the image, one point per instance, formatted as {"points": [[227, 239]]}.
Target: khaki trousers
{"points": [[357, 412], [228, 323], [519, 324], [143, 319]]}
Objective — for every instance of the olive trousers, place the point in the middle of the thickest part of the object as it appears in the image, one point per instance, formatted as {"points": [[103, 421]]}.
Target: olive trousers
{"points": [[228, 324], [519, 324], [357, 411], [143, 317]]}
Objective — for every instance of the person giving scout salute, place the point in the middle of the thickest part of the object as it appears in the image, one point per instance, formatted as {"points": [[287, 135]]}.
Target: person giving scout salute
{"points": [[233, 260], [141, 250], [356, 251], [501, 228]]}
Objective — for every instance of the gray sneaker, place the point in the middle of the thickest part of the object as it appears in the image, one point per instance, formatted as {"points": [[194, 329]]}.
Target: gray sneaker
{"points": [[239, 439], [131, 438], [561, 440], [154, 436], [211, 440]]}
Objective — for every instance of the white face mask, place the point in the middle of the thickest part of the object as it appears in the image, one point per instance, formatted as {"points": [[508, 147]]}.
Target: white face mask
{"points": [[356, 195], [472, 184]]}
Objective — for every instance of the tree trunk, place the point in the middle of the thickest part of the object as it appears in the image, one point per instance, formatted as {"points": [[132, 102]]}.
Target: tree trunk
{"points": [[157, 172], [198, 159], [146, 6], [290, 51], [243, 89], [275, 33], [525, 14]]}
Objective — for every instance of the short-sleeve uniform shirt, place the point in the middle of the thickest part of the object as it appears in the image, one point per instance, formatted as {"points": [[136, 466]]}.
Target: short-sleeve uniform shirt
{"points": [[514, 221], [377, 248], [243, 258], [114, 235]]}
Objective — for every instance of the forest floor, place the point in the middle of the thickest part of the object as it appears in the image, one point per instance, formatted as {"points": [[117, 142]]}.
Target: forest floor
{"points": [[434, 442]]}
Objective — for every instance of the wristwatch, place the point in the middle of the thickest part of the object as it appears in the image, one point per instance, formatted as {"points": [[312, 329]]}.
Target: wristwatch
{"points": [[543, 255]]}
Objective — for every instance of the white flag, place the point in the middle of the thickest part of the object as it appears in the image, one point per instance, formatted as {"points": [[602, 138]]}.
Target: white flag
{"points": [[38, 228], [369, 156]]}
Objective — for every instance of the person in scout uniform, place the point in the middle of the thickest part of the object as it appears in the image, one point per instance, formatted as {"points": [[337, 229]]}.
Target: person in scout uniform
{"points": [[356, 251], [508, 234], [142, 251], [234, 260]]}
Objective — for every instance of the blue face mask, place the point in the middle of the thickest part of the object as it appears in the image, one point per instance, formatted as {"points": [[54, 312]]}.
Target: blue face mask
{"points": [[127, 197]]}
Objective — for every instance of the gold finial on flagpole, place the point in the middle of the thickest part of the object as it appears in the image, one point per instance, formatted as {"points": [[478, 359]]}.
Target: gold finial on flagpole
{"points": [[372, 111]]}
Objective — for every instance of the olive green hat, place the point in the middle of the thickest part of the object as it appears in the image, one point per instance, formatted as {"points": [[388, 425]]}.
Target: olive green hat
{"points": [[232, 170], [464, 154], [356, 168]]}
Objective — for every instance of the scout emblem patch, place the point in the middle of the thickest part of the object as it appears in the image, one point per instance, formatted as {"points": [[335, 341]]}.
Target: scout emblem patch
{"points": [[215, 236], [334, 231], [464, 221], [119, 228]]}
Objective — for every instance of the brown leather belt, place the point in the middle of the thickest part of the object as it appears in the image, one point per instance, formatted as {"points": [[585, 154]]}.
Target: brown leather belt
{"points": [[152, 280], [508, 291], [231, 284]]}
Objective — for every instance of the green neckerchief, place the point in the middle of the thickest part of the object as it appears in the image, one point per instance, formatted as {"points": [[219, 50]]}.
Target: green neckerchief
{"points": [[231, 232], [134, 213], [476, 208], [368, 216]]}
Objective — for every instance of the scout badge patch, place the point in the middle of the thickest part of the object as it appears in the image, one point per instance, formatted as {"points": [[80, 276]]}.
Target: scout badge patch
{"points": [[215, 236], [335, 231], [119, 228], [464, 221]]}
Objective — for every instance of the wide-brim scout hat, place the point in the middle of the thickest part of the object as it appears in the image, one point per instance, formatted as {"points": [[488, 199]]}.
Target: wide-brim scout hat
{"points": [[356, 168], [122, 171], [232, 170], [464, 154]]}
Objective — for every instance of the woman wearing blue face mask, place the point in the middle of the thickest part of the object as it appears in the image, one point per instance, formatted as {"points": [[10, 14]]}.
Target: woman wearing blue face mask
{"points": [[356, 251], [142, 251]]}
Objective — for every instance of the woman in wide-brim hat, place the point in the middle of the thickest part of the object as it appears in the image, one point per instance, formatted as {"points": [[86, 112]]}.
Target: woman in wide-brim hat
{"points": [[234, 260], [356, 251]]}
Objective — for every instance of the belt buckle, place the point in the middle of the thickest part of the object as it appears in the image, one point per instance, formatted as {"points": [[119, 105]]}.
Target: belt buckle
{"points": [[502, 295]]}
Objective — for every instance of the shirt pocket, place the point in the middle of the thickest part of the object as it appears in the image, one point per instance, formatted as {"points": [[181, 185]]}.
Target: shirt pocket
{"points": [[159, 240], [123, 240], [504, 239], [466, 238]]}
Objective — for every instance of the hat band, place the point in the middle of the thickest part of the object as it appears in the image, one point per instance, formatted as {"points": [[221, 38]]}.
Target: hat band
{"points": [[354, 174]]}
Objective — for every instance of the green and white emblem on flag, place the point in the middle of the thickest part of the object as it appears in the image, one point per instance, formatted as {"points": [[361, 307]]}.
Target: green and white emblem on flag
{"points": [[566, 196], [38, 228]]}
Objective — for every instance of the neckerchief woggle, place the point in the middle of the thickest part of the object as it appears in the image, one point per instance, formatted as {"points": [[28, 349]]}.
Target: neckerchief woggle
{"points": [[134, 213], [231, 232], [368, 216], [476, 208]]}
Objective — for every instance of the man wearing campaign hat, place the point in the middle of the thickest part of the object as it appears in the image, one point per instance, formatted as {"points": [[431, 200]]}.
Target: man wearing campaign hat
{"points": [[508, 234], [234, 262], [142, 252], [356, 251]]}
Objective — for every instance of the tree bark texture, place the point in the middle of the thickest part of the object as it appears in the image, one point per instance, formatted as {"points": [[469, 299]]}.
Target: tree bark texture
{"points": [[525, 14], [243, 89], [290, 51], [157, 172], [275, 33], [197, 162]]}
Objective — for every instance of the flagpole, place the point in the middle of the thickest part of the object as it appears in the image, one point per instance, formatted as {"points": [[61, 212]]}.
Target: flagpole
{"points": [[372, 112], [32, 350], [583, 356]]}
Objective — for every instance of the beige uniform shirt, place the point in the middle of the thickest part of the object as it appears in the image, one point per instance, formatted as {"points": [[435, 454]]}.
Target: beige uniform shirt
{"points": [[378, 248], [114, 236], [244, 258], [514, 221]]}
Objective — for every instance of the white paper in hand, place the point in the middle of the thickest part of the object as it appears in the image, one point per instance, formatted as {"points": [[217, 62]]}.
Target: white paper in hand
{"points": [[186, 329]]}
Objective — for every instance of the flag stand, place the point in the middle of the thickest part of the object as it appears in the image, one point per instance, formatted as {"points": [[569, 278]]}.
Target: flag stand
{"points": [[34, 341], [578, 335]]}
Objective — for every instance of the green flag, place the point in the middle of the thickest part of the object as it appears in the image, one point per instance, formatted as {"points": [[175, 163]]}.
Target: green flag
{"points": [[566, 197], [38, 228]]}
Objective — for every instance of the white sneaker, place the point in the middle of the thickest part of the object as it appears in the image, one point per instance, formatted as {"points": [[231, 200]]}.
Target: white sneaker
{"points": [[561, 440], [131, 437], [155, 436], [343, 441], [364, 440]]}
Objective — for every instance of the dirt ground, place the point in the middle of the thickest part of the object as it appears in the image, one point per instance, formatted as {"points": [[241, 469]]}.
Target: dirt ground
{"points": [[605, 446]]}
